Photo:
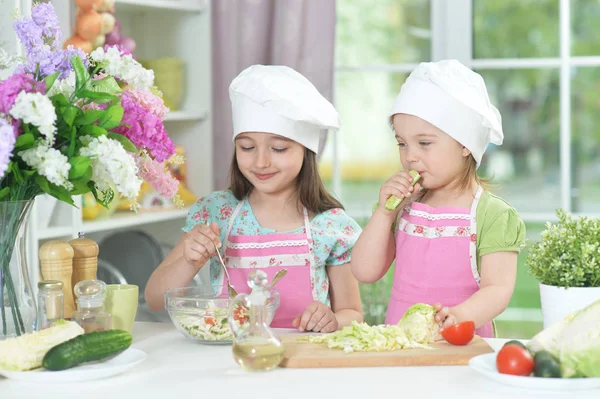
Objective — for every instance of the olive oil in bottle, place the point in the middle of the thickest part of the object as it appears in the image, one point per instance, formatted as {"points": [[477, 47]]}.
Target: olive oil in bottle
{"points": [[255, 347], [263, 356]]}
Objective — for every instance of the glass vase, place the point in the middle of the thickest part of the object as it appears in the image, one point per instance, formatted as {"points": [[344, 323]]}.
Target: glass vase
{"points": [[17, 301]]}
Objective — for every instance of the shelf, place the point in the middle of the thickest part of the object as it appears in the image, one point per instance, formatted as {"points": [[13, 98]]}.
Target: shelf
{"points": [[169, 5], [179, 116], [55, 232], [131, 219]]}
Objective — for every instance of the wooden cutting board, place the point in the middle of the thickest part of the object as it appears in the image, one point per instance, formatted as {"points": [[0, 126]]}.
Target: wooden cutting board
{"points": [[302, 354]]}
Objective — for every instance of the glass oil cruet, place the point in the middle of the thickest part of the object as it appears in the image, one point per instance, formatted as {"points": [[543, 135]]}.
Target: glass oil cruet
{"points": [[255, 347]]}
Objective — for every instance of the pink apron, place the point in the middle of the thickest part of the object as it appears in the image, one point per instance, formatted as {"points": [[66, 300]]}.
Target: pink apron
{"points": [[271, 253], [435, 259]]}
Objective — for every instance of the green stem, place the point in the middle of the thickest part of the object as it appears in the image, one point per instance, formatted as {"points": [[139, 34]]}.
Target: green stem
{"points": [[2, 297]]}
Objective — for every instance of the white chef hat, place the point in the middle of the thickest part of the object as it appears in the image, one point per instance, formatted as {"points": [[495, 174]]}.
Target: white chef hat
{"points": [[453, 98], [277, 99]]}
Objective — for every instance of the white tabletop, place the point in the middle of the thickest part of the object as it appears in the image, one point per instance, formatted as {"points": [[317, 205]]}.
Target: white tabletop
{"points": [[179, 368]]}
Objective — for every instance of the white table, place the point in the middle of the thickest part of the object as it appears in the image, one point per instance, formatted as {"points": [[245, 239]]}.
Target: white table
{"points": [[179, 368]]}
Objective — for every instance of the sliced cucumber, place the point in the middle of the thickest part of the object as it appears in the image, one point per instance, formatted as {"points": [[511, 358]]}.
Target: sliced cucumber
{"points": [[394, 202]]}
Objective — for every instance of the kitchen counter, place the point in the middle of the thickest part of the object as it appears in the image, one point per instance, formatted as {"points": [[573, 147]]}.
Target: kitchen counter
{"points": [[179, 368]]}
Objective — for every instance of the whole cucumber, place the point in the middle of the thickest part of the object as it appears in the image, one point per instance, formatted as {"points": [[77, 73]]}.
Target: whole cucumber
{"points": [[90, 347]]}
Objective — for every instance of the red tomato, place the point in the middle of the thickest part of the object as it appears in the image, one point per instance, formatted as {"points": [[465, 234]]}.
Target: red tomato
{"points": [[209, 320], [240, 315], [460, 333], [515, 360]]}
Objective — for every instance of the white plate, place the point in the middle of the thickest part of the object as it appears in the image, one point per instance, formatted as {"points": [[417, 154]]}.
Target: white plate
{"points": [[92, 371], [486, 365]]}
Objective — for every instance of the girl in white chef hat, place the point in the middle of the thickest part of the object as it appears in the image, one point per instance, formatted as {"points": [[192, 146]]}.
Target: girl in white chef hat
{"points": [[277, 213], [455, 245]]}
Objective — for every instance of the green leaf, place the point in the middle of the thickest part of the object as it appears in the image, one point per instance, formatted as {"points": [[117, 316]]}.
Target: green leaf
{"points": [[17, 173], [92, 130], [82, 75], [112, 117], [107, 195], [4, 192], [43, 183], [99, 98], [61, 194], [79, 167], [88, 117], [29, 173], [24, 142], [59, 100], [128, 145], [69, 114], [80, 187], [50, 79], [106, 85]]}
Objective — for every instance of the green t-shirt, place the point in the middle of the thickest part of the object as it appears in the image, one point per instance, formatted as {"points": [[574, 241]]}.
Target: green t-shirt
{"points": [[499, 227]]}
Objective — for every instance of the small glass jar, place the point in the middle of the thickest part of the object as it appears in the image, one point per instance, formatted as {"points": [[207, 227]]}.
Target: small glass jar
{"points": [[50, 303], [90, 314]]}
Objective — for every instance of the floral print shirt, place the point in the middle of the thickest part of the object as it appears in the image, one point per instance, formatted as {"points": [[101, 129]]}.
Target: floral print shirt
{"points": [[334, 233]]}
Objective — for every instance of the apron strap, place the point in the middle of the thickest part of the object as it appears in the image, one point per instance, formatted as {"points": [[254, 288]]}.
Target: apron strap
{"points": [[232, 218], [473, 243]]}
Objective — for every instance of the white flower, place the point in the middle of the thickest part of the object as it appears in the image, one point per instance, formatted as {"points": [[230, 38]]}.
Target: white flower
{"points": [[37, 109], [123, 67], [49, 163], [111, 164], [65, 86]]}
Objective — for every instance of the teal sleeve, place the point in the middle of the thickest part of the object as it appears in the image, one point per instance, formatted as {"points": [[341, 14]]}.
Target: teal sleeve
{"points": [[343, 231]]}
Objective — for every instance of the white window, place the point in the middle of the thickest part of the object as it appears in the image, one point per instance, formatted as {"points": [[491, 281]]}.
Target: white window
{"points": [[540, 61]]}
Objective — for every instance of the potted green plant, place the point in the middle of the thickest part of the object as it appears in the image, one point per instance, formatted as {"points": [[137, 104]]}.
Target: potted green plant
{"points": [[566, 262]]}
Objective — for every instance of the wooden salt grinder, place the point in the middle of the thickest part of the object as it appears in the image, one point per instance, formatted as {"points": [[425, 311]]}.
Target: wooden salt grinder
{"points": [[56, 263], [85, 260]]}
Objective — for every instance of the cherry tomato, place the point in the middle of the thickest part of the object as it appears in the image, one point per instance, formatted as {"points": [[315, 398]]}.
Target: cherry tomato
{"points": [[209, 320], [460, 333], [514, 360]]}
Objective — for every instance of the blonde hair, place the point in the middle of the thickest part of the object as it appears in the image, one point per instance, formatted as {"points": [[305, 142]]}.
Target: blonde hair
{"points": [[470, 176]]}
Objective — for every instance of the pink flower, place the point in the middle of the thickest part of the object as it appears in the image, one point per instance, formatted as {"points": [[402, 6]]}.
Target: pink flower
{"points": [[419, 229], [143, 127], [157, 176], [473, 237]]}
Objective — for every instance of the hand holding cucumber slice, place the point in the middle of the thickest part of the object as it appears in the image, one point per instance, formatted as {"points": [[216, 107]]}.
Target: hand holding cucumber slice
{"points": [[394, 202]]}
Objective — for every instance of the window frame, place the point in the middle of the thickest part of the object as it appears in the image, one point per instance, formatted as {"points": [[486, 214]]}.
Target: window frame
{"points": [[451, 37]]}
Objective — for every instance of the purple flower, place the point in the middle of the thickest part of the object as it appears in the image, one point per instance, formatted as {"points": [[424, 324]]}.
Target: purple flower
{"points": [[7, 144], [13, 85], [44, 16], [40, 35]]}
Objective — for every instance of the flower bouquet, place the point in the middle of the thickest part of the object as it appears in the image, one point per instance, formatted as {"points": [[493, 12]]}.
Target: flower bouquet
{"points": [[70, 124]]}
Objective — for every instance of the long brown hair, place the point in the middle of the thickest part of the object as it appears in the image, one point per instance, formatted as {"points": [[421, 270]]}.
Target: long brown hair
{"points": [[311, 190]]}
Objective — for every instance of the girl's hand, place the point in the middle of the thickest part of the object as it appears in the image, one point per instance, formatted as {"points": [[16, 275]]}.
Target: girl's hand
{"points": [[399, 185], [200, 244], [317, 317], [444, 316]]}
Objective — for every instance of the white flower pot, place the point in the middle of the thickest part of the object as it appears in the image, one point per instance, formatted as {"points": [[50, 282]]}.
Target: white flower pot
{"points": [[558, 302]]}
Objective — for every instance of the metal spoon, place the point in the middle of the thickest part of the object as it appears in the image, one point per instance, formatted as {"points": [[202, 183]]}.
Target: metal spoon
{"points": [[278, 276], [232, 292]]}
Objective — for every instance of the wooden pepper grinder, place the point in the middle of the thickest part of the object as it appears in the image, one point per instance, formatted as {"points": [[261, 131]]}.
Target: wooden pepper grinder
{"points": [[85, 260], [56, 263]]}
